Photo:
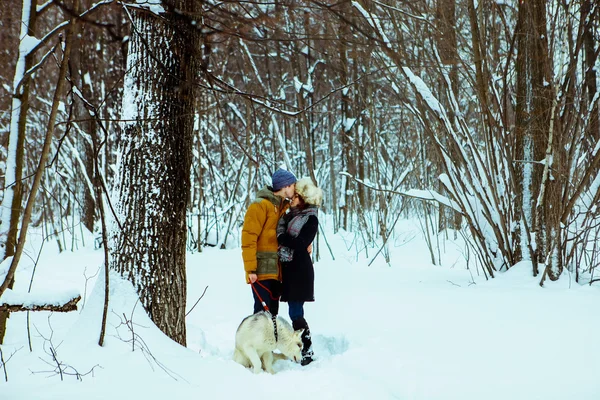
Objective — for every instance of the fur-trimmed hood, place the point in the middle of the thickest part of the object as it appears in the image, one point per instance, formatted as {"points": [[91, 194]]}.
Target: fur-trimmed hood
{"points": [[267, 194], [309, 192]]}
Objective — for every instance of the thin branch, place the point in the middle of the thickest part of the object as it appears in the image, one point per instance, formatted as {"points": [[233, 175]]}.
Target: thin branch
{"points": [[197, 301]]}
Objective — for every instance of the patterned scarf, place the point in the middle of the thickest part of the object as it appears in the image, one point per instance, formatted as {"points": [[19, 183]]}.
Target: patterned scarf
{"points": [[292, 223]]}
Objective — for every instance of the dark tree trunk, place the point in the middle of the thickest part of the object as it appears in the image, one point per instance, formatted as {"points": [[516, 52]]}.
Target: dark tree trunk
{"points": [[448, 50], [81, 61], [347, 164], [538, 197], [153, 182], [590, 31]]}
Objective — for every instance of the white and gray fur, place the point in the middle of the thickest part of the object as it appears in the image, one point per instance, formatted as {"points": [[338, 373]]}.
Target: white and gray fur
{"points": [[309, 192], [255, 342]]}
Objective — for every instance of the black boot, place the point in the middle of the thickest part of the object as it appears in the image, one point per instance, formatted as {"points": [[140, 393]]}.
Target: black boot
{"points": [[307, 351]]}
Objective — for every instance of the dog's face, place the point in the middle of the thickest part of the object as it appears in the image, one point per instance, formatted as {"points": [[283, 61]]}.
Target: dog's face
{"points": [[294, 347]]}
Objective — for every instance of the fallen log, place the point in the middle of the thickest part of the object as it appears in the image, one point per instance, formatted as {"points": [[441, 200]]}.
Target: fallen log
{"points": [[70, 305], [63, 300]]}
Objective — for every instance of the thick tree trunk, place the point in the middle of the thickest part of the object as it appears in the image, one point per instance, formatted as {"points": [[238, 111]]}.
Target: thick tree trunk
{"points": [[153, 182], [524, 140], [79, 62], [448, 50], [347, 164], [590, 31], [332, 180], [538, 200], [549, 242]]}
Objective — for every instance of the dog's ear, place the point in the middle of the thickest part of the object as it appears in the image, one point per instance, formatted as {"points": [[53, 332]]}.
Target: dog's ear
{"points": [[299, 333]]}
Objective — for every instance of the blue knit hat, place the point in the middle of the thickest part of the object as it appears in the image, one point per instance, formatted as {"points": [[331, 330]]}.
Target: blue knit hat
{"points": [[282, 178]]}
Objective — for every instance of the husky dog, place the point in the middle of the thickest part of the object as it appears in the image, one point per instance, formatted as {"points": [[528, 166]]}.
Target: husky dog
{"points": [[255, 341]]}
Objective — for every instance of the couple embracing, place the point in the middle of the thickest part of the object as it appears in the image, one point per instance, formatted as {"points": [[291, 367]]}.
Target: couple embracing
{"points": [[277, 236]]}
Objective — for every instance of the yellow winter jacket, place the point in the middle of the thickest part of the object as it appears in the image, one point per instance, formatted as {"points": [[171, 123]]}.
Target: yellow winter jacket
{"points": [[259, 239]]}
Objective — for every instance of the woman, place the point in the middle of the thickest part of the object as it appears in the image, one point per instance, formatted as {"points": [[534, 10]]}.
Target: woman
{"points": [[295, 232]]}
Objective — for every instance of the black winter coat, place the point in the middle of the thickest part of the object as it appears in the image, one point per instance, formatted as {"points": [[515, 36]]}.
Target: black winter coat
{"points": [[298, 275]]}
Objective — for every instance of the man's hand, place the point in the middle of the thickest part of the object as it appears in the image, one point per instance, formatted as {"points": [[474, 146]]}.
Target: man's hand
{"points": [[309, 249], [252, 277]]}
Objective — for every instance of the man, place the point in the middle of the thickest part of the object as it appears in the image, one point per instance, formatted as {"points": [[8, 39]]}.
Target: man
{"points": [[259, 240]]}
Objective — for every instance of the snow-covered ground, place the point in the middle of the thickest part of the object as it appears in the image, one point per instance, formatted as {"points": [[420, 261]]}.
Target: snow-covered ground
{"points": [[410, 330]]}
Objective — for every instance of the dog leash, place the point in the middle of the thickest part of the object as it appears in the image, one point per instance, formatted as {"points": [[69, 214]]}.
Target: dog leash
{"points": [[265, 306]]}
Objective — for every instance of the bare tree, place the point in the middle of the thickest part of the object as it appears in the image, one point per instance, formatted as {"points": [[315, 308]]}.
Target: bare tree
{"points": [[537, 138], [27, 215], [13, 186]]}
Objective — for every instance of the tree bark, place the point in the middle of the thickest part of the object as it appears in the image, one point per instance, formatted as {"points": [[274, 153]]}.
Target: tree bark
{"points": [[538, 200], [153, 182], [332, 180], [82, 61], [448, 50], [345, 112], [590, 31]]}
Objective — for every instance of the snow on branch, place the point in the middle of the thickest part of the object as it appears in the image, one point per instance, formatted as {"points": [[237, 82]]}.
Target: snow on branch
{"points": [[154, 6], [425, 93], [421, 18], [374, 21], [63, 301], [427, 195]]}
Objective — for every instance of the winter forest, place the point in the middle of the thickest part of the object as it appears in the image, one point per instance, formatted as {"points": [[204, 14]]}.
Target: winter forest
{"points": [[144, 128]]}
